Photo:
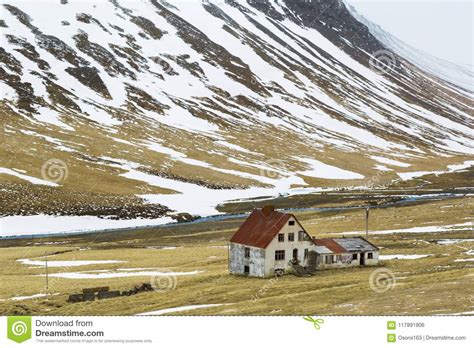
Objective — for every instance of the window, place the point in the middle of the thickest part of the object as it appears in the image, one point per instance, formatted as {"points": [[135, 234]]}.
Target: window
{"points": [[305, 254], [247, 253], [329, 259], [291, 223], [301, 236], [281, 237], [354, 256], [279, 254], [370, 255], [246, 269], [291, 237]]}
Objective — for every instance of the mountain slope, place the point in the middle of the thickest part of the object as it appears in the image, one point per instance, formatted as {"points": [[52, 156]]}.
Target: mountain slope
{"points": [[458, 75], [183, 105]]}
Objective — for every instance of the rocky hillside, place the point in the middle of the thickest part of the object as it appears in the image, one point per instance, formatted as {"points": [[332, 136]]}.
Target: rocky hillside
{"points": [[126, 109]]}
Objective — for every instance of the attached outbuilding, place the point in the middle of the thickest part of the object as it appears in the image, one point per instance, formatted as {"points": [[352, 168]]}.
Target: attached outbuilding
{"points": [[270, 243], [345, 252]]}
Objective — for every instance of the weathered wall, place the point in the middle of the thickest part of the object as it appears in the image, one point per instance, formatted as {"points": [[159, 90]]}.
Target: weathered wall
{"points": [[341, 264], [271, 264], [374, 261], [237, 260], [313, 261]]}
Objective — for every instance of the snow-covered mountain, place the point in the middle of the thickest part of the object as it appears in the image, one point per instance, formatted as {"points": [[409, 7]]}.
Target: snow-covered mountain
{"points": [[126, 109], [456, 74]]}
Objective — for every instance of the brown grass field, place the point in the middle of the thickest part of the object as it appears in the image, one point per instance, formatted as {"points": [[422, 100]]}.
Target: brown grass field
{"points": [[436, 284]]}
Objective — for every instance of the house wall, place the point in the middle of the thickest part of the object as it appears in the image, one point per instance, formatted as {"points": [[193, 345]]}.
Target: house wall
{"points": [[349, 263], [238, 261], [271, 264], [374, 261]]}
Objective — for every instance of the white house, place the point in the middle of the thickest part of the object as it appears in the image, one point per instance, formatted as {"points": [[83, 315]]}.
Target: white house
{"points": [[270, 242]]}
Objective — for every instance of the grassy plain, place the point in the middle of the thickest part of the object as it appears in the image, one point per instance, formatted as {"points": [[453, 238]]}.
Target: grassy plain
{"points": [[436, 284]]}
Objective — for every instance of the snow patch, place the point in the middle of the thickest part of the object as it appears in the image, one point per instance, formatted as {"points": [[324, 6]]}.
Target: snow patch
{"points": [[51, 224], [73, 263], [390, 161], [402, 257], [451, 168], [31, 179], [454, 241], [424, 229], [326, 171]]}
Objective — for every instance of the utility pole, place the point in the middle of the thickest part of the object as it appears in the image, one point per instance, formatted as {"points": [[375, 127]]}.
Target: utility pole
{"points": [[367, 223], [46, 265]]}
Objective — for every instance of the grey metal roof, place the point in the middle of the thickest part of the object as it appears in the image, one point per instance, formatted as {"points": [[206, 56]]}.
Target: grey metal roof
{"points": [[322, 249], [355, 244]]}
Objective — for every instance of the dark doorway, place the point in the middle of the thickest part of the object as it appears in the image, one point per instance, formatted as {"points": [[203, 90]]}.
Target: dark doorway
{"points": [[295, 254], [246, 270], [362, 259]]}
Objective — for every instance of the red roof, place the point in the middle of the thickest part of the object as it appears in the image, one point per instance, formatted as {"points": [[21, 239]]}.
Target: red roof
{"points": [[260, 228], [331, 244]]}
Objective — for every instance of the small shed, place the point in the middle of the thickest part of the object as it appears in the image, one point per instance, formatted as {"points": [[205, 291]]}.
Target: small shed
{"points": [[345, 252]]}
